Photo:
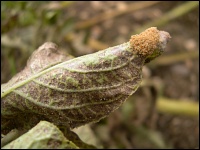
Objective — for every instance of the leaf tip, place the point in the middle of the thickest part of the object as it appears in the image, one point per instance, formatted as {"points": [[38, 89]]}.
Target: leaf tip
{"points": [[150, 43], [48, 45], [145, 42]]}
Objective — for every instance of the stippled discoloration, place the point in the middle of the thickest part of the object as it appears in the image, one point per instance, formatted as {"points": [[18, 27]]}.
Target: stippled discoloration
{"points": [[84, 89]]}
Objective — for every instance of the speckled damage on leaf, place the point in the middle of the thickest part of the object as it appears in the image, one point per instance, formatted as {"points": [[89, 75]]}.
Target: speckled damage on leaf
{"points": [[75, 92], [43, 136]]}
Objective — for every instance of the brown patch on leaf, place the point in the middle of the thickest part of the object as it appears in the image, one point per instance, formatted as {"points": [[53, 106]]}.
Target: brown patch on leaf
{"points": [[146, 42]]}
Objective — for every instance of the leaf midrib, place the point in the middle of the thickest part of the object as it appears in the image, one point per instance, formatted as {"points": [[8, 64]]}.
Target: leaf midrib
{"points": [[23, 82]]}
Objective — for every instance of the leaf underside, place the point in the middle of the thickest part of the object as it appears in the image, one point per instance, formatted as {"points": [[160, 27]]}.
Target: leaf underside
{"points": [[70, 92]]}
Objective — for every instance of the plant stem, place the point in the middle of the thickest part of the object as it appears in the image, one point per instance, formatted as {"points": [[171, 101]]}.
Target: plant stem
{"points": [[108, 15], [177, 107], [172, 14], [12, 135], [174, 58]]}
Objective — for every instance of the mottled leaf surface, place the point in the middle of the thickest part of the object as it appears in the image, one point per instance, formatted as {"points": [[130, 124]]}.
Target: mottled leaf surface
{"points": [[44, 135], [81, 90]]}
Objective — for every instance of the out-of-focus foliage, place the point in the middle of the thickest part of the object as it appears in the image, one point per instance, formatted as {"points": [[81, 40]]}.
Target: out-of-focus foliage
{"points": [[26, 25], [22, 14]]}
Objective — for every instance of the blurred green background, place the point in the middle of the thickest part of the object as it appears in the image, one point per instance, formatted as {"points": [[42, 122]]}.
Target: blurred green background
{"points": [[163, 113]]}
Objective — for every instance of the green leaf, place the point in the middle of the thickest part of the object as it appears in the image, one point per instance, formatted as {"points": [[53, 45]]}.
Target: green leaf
{"points": [[44, 135]]}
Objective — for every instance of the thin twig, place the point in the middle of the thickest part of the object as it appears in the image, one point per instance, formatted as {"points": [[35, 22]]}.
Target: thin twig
{"points": [[172, 14], [178, 107], [12, 135], [108, 15], [174, 58]]}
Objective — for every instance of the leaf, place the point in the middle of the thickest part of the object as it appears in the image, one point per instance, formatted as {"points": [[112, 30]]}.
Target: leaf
{"points": [[81, 90], [87, 135], [75, 138], [43, 136]]}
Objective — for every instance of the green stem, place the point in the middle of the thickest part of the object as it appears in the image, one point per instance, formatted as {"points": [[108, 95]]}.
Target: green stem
{"points": [[12, 135], [171, 106]]}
